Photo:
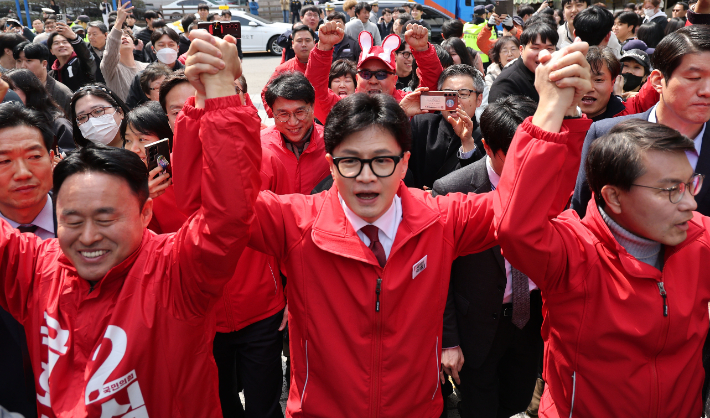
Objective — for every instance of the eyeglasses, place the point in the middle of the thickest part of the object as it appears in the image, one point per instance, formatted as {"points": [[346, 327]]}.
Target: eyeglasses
{"points": [[406, 54], [463, 93], [351, 167], [284, 117], [95, 113], [675, 193], [380, 74]]}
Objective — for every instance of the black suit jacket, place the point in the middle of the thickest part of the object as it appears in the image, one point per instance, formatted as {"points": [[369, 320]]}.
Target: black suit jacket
{"points": [[582, 194], [516, 79], [473, 307]]}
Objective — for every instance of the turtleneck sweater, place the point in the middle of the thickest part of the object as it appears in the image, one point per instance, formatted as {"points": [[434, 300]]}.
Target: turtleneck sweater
{"points": [[642, 249]]}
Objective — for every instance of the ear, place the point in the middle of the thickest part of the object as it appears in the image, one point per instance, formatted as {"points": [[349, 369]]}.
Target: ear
{"points": [[391, 43], [366, 42], [657, 81], [607, 37], [147, 212], [479, 100], [488, 150], [611, 198], [404, 164]]}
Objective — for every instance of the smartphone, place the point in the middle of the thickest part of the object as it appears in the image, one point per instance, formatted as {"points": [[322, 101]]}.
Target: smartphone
{"points": [[127, 4], [439, 100], [158, 154], [504, 7], [61, 17], [222, 29]]}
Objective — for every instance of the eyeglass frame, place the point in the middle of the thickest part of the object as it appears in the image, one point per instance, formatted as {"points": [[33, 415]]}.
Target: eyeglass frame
{"points": [[458, 93], [308, 112], [676, 187], [89, 115], [363, 162], [374, 74], [405, 52]]}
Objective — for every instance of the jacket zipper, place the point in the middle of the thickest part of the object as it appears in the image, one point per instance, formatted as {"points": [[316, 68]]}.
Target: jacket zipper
{"points": [[377, 291], [376, 357], [664, 295]]}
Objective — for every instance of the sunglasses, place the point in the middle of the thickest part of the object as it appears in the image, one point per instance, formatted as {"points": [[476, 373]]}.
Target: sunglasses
{"points": [[380, 74]]}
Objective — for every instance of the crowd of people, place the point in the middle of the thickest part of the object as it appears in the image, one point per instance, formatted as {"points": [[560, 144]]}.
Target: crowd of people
{"points": [[560, 199]]}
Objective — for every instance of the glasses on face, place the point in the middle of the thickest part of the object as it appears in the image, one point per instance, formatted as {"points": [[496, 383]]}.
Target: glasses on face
{"points": [[675, 193], [508, 51], [463, 93], [380, 74], [311, 15], [407, 55], [351, 167], [299, 114], [95, 113]]}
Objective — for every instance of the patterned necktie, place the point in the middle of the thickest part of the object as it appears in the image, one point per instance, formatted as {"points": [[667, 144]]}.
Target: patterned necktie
{"points": [[521, 298], [27, 228], [371, 231]]}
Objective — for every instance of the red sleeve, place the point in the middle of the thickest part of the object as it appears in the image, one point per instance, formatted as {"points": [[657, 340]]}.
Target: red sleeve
{"points": [[644, 100], [187, 157], [537, 180], [18, 258], [483, 40], [207, 248], [317, 72], [263, 94], [429, 67]]}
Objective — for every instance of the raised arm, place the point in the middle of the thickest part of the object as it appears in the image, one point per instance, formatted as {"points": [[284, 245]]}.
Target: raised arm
{"points": [[428, 62], [540, 168], [112, 53], [318, 68]]}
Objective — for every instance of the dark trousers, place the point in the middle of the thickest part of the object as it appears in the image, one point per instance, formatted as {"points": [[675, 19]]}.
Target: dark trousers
{"points": [[295, 17], [503, 385], [250, 359]]}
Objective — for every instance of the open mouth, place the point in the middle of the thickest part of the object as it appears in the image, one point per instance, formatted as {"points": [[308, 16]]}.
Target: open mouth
{"points": [[374, 91], [588, 100], [367, 196]]}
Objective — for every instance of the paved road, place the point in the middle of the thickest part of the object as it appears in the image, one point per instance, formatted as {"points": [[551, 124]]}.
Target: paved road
{"points": [[258, 68]]}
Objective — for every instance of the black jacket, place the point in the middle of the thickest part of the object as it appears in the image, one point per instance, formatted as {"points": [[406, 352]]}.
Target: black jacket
{"points": [[435, 150], [183, 44], [295, 6], [136, 96], [98, 76], [385, 28], [515, 79], [613, 108], [348, 48], [144, 35], [80, 70]]}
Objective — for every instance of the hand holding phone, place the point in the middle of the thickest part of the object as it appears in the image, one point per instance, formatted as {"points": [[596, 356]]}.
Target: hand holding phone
{"points": [[439, 100], [158, 154], [222, 29]]}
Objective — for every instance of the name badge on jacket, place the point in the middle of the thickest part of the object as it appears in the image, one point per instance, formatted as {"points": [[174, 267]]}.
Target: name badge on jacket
{"points": [[418, 267]]}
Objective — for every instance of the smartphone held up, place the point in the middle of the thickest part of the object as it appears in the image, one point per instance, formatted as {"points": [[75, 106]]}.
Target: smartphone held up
{"points": [[439, 100]]}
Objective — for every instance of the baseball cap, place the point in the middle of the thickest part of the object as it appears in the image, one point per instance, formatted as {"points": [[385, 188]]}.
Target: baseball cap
{"points": [[384, 53], [490, 8], [83, 18], [637, 55], [77, 29], [13, 22], [518, 20], [479, 10]]}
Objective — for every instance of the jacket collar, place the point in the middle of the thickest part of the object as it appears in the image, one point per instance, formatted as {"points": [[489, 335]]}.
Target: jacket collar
{"points": [[703, 165], [595, 223], [614, 107], [525, 71], [333, 233], [480, 181]]}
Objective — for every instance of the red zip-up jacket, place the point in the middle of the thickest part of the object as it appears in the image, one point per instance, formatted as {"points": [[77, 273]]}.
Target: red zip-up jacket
{"points": [[318, 70], [389, 356], [609, 349], [306, 171], [291, 65], [139, 344], [256, 291]]}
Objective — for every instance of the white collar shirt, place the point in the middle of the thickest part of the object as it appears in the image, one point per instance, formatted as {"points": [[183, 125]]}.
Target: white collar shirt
{"points": [[692, 156], [44, 221], [387, 223]]}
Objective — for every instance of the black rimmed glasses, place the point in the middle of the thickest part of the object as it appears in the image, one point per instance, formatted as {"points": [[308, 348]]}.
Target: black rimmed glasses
{"points": [[95, 113], [463, 93], [351, 167], [380, 75], [299, 114], [406, 54], [675, 193]]}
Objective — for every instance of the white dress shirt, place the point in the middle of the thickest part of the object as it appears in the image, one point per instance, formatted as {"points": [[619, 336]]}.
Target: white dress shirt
{"points": [[387, 223], [44, 221], [508, 294], [692, 156]]}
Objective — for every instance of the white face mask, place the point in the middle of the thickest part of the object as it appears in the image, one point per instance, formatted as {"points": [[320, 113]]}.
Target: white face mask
{"points": [[649, 12], [166, 55], [101, 130]]}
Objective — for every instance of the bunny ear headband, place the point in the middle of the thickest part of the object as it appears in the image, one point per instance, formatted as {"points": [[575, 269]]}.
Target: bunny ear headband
{"points": [[384, 53]]}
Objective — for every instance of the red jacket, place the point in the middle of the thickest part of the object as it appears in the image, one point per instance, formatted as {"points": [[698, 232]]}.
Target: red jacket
{"points": [[609, 349], [291, 65], [166, 216], [646, 98], [308, 170], [318, 71], [256, 291], [139, 344]]}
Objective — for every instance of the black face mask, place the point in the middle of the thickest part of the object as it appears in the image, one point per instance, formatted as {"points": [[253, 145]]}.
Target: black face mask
{"points": [[631, 81]]}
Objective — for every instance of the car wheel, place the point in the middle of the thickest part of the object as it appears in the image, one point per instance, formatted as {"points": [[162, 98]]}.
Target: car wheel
{"points": [[273, 47]]}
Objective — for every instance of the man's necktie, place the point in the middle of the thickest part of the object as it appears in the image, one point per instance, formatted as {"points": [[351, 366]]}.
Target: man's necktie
{"points": [[371, 231], [521, 298], [27, 228]]}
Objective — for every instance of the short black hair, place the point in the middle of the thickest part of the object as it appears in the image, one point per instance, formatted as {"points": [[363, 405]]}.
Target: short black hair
{"points": [[452, 28], [400, 10], [186, 21], [629, 18], [403, 19], [99, 158], [631, 6], [9, 40], [479, 83], [211, 16], [32, 50], [291, 85], [673, 25], [302, 27], [203, 6], [494, 55], [151, 73], [149, 119], [597, 57], [310, 8], [14, 114], [685, 5], [177, 77], [338, 16], [673, 48], [539, 29], [360, 111], [340, 68], [36, 95], [150, 15], [362, 5], [160, 32], [651, 33], [159, 24], [501, 119], [386, 10], [50, 39], [98, 25], [526, 11], [460, 48], [593, 24], [564, 3], [444, 56], [616, 158], [417, 6], [98, 90]]}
